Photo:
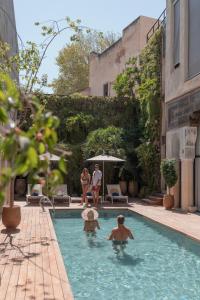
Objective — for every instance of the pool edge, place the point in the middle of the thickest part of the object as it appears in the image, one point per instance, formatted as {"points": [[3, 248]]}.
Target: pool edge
{"points": [[66, 286]]}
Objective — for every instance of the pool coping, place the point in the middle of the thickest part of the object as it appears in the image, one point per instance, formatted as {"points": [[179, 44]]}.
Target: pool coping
{"points": [[61, 266]]}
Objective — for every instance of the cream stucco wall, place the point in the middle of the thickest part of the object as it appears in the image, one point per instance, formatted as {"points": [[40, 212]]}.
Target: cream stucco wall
{"points": [[176, 79], [105, 67], [8, 34], [8, 31], [180, 140]]}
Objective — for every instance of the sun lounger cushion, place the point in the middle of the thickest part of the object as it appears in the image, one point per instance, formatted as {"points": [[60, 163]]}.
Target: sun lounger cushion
{"points": [[115, 194], [89, 194]]}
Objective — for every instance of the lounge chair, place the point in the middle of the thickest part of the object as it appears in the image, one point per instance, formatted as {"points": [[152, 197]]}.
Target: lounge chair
{"points": [[114, 193], [34, 193], [61, 194]]}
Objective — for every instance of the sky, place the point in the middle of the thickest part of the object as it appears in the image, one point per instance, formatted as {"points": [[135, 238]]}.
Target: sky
{"points": [[102, 15]]}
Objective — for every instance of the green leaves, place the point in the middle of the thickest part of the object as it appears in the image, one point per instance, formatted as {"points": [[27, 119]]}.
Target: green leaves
{"points": [[41, 148], [3, 115], [32, 157], [20, 148], [168, 170], [62, 165], [109, 140]]}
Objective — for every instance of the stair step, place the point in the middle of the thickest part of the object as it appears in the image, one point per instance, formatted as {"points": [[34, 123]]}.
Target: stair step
{"points": [[161, 195], [156, 198], [153, 201]]}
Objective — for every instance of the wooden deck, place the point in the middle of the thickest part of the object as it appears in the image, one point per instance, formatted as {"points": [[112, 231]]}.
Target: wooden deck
{"points": [[31, 266]]}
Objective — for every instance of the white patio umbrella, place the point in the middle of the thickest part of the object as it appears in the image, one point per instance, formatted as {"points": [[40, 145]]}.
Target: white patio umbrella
{"points": [[49, 156], [105, 158]]}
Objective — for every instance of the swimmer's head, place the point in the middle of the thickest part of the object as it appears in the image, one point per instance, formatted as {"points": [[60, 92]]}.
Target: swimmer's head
{"points": [[90, 215], [120, 219]]}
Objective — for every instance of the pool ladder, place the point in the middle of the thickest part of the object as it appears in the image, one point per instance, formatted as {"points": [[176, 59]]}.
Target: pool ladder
{"points": [[45, 200]]}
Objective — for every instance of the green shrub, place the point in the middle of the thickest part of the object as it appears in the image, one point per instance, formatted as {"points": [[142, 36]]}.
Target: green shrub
{"points": [[108, 140], [168, 170]]}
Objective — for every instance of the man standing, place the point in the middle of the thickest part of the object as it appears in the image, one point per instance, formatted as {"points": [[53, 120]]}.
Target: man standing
{"points": [[96, 184]]}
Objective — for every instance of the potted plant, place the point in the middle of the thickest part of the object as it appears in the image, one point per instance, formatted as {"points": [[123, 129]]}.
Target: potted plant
{"points": [[122, 181], [20, 149], [168, 170]]}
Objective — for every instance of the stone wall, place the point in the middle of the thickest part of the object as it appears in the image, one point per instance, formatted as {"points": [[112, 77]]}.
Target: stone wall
{"points": [[7, 24], [105, 67], [8, 34]]}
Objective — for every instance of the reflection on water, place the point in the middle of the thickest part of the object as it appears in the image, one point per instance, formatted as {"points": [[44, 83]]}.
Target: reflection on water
{"points": [[125, 259], [93, 241]]}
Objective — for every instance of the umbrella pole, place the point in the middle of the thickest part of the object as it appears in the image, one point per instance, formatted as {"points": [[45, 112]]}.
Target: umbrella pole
{"points": [[103, 183]]}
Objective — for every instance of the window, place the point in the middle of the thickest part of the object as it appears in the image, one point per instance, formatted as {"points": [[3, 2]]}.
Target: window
{"points": [[105, 89], [194, 38], [176, 49]]}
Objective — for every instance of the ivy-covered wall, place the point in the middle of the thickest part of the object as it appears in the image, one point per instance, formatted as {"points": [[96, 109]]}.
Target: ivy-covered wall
{"points": [[142, 78], [79, 116]]}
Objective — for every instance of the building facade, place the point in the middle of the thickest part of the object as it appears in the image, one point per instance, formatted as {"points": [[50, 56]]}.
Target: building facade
{"points": [[8, 31], [182, 98], [105, 67], [8, 34]]}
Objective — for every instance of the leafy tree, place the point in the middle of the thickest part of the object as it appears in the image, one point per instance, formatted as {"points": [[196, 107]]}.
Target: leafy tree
{"points": [[73, 61], [78, 127], [28, 61], [109, 140], [20, 148]]}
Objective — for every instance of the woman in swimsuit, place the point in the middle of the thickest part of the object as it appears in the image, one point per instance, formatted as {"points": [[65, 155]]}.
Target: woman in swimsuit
{"points": [[85, 183], [91, 223]]}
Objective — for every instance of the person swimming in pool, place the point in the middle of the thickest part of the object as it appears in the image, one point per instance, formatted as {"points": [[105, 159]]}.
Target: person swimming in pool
{"points": [[120, 233], [91, 223]]}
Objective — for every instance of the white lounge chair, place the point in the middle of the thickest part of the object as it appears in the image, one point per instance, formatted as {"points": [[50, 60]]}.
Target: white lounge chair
{"points": [[34, 193], [61, 194], [114, 193]]}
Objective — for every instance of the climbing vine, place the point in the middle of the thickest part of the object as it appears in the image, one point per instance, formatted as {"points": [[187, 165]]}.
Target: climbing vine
{"points": [[142, 78]]}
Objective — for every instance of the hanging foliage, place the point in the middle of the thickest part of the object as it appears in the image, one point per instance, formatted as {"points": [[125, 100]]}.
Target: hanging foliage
{"points": [[142, 78]]}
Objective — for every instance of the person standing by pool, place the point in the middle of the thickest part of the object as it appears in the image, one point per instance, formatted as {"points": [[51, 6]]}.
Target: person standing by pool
{"points": [[85, 183], [96, 184], [120, 233]]}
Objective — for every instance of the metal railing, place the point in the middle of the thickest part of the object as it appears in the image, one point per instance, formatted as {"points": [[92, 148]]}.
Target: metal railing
{"points": [[45, 200], [160, 21]]}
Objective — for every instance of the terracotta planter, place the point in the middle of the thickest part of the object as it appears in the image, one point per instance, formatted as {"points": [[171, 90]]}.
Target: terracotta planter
{"points": [[123, 187], [11, 216], [168, 201], [133, 188]]}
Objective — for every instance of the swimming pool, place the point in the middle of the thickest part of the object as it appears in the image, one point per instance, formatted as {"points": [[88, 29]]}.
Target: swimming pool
{"points": [[159, 264]]}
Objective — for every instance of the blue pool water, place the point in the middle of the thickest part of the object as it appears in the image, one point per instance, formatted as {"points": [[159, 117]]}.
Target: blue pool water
{"points": [[160, 264]]}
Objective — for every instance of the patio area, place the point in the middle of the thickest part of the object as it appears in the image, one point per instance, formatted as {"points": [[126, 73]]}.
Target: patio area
{"points": [[31, 266]]}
